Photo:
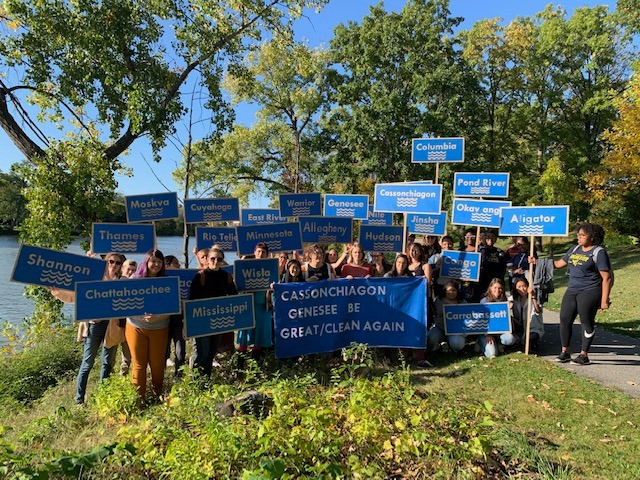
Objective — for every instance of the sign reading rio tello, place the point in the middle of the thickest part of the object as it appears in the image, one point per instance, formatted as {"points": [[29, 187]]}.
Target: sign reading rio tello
{"points": [[437, 150]]}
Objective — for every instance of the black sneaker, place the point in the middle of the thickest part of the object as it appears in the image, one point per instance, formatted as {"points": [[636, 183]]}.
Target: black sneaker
{"points": [[564, 357], [581, 360]]}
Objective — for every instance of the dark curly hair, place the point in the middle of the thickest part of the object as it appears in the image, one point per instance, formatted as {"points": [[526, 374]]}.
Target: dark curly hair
{"points": [[595, 232]]}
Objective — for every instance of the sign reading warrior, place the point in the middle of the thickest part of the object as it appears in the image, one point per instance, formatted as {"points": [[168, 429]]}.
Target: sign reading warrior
{"points": [[481, 184], [480, 213], [122, 237], [461, 265], [427, 223], [203, 210], [279, 237], [352, 206], [477, 318], [541, 221], [260, 216], [381, 239], [300, 204], [326, 229], [211, 316], [437, 150], [255, 275], [224, 237], [407, 198], [151, 207]]}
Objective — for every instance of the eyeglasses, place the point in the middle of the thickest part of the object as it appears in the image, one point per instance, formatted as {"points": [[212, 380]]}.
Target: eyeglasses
{"points": [[116, 262], [469, 237], [376, 256], [215, 259]]}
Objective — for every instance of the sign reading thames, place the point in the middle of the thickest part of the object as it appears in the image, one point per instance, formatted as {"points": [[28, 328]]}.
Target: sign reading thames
{"points": [[437, 150], [279, 237], [203, 210], [543, 221], [122, 237], [211, 316], [151, 207], [407, 198], [329, 315]]}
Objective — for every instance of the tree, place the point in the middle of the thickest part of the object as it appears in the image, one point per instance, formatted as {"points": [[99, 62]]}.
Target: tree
{"points": [[12, 201]]}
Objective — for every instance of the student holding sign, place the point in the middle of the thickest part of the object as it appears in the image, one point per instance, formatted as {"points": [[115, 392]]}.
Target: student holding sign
{"points": [[356, 266], [487, 343]]}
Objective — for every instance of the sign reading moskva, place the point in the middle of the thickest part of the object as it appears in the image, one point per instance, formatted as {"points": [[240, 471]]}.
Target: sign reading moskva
{"points": [[479, 213], [407, 198], [329, 315], [427, 223], [185, 276], [437, 150], [150, 207], [211, 316], [260, 216], [543, 221], [279, 237], [255, 275], [224, 237], [51, 268], [378, 218], [126, 298], [122, 237], [477, 318], [326, 229], [300, 204], [351, 206], [481, 184], [460, 265], [202, 210], [381, 239]]}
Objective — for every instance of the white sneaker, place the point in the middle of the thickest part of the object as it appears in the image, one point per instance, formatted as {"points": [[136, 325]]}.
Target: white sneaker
{"points": [[215, 364], [169, 362]]}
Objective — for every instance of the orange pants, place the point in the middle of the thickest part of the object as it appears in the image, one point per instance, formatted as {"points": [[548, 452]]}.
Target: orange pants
{"points": [[148, 347]]}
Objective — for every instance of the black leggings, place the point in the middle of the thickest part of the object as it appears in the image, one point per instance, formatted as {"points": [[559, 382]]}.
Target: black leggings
{"points": [[584, 303]]}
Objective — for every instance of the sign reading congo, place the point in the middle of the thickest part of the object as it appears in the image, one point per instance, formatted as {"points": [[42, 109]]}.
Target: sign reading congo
{"points": [[460, 265], [437, 150], [211, 316], [352, 206], [481, 184], [259, 216], [279, 237], [122, 237], [202, 210], [299, 204], [378, 218], [150, 207], [224, 237], [480, 213], [541, 221], [477, 318], [185, 277], [51, 268], [326, 229], [407, 198], [427, 223], [255, 275], [381, 239], [126, 298]]}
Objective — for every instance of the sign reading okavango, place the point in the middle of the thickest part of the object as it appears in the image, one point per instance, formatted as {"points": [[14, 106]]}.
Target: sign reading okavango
{"points": [[329, 315]]}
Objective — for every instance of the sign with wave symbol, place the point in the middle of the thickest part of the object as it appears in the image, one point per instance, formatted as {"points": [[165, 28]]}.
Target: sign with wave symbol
{"points": [[461, 265], [185, 277], [255, 274], [201, 210], [481, 184], [299, 204], [326, 229], [408, 198], [381, 239], [378, 218], [212, 316], [437, 150], [427, 223], [477, 318], [224, 237], [279, 237], [127, 304], [260, 216], [545, 220], [122, 237], [352, 206], [480, 213], [151, 207]]}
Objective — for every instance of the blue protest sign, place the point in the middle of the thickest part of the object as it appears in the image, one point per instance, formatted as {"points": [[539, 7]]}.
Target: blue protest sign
{"points": [[122, 237], [260, 216], [437, 150], [51, 268], [407, 198], [151, 207], [479, 213], [352, 206], [126, 298], [300, 204], [329, 315], [481, 184], [477, 318], [255, 275], [326, 229], [460, 265], [212, 316], [224, 237], [378, 218], [381, 239], [279, 237], [427, 223], [185, 276], [202, 210], [549, 221], [227, 268]]}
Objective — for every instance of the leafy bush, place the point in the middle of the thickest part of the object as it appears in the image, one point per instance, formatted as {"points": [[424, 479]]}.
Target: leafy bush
{"points": [[115, 397]]}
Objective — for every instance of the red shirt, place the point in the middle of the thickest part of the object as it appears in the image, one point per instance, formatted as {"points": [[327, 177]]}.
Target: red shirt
{"points": [[356, 271]]}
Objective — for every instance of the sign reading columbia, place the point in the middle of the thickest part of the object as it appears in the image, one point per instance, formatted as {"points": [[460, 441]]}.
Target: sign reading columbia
{"points": [[407, 198]]}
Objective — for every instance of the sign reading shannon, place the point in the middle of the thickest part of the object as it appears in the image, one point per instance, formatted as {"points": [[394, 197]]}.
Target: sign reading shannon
{"points": [[255, 275], [437, 150], [150, 207], [185, 276], [202, 210], [352, 206], [460, 265], [212, 316], [299, 204], [378, 218], [427, 223], [542, 221], [279, 237], [260, 216], [480, 213], [407, 198], [381, 239], [126, 298], [224, 237], [326, 229], [51, 268], [122, 237], [326, 316], [476, 318], [481, 184]]}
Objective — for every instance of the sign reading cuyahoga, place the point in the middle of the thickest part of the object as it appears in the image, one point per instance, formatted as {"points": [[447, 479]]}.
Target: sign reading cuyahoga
{"points": [[203, 210], [122, 237], [212, 316], [151, 207], [541, 221]]}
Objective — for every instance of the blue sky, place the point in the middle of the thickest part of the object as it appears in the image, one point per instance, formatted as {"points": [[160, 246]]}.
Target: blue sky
{"points": [[317, 30]]}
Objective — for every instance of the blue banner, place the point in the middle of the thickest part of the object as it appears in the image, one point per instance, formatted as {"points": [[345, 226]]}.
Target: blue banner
{"points": [[329, 315], [122, 238], [212, 316], [381, 239], [479, 213], [51, 268], [437, 150], [126, 298], [255, 275], [151, 207], [461, 265], [203, 210], [549, 221], [427, 223], [185, 276], [352, 206], [300, 204], [326, 230], [260, 216], [279, 237], [224, 237], [477, 318], [378, 218], [408, 198], [481, 184]]}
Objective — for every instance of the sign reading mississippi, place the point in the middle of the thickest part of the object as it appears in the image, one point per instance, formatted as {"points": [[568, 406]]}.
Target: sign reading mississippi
{"points": [[224, 237], [256, 274], [212, 316], [461, 265], [329, 315], [202, 210], [477, 318], [381, 239], [122, 237], [151, 207], [542, 221], [326, 229], [427, 223]]}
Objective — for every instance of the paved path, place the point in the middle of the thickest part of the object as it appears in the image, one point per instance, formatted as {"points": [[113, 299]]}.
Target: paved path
{"points": [[615, 359]]}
